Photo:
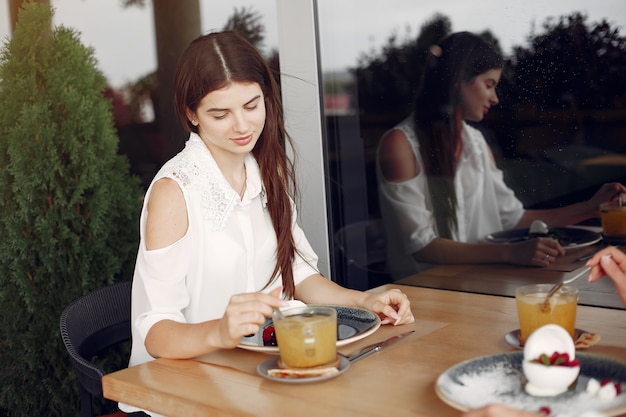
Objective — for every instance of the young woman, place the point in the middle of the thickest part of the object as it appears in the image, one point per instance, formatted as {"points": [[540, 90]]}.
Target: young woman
{"points": [[440, 191], [220, 247]]}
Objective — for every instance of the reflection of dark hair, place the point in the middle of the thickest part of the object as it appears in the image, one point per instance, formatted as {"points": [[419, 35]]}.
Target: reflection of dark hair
{"points": [[458, 58], [214, 61]]}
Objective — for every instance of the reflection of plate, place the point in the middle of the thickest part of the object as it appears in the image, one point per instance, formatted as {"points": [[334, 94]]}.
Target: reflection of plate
{"points": [[272, 363], [353, 323], [512, 338], [499, 379], [568, 237]]}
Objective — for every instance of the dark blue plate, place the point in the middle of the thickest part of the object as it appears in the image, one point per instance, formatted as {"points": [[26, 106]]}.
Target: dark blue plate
{"points": [[353, 323]]}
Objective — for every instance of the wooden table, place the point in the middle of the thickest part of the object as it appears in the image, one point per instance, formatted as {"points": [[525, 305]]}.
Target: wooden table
{"points": [[503, 279], [450, 327]]}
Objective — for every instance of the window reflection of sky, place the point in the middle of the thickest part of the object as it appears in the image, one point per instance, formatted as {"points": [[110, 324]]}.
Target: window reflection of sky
{"points": [[344, 39], [348, 28]]}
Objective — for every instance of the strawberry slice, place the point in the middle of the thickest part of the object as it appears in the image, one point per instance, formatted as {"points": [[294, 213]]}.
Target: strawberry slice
{"points": [[556, 359], [269, 336]]}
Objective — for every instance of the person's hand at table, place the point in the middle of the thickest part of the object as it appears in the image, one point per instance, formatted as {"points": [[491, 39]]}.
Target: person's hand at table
{"points": [[541, 251], [245, 314], [393, 306], [611, 262]]}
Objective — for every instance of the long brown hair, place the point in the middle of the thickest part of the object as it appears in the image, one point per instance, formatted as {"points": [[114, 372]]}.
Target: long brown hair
{"points": [[214, 61], [458, 58]]}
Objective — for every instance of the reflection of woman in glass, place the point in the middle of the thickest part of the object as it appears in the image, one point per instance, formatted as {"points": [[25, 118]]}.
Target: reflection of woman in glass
{"points": [[440, 191]]}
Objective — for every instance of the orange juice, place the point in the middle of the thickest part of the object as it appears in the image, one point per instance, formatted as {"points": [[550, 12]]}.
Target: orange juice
{"points": [[307, 336], [613, 217], [532, 314]]}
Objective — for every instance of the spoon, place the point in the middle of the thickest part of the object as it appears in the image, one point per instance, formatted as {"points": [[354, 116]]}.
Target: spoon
{"points": [[278, 314], [546, 303]]}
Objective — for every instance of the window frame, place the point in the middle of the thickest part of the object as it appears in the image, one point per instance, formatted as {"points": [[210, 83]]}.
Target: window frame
{"points": [[298, 46]]}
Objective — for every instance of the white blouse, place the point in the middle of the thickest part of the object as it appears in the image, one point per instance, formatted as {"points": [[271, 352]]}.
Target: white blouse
{"points": [[229, 248], [485, 203]]}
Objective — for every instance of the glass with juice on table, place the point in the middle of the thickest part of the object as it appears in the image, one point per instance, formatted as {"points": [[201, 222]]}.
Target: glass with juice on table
{"points": [[533, 311], [306, 336]]}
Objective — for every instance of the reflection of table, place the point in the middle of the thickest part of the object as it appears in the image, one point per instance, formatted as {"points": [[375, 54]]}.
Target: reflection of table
{"points": [[450, 327], [501, 279]]}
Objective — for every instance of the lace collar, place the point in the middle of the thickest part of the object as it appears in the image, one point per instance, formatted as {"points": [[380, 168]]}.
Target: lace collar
{"points": [[195, 169]]}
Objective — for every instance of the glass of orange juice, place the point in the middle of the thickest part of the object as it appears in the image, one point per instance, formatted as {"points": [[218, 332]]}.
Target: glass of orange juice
{"points": [[613, 218], [306, 336], [532, 314]]}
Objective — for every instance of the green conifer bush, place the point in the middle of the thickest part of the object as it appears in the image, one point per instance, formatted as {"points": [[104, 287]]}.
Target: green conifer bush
{"points": [[68, 206]]}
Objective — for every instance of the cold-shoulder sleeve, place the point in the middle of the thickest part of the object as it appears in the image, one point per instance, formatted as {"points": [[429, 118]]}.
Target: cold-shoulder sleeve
{"points": [[159, 280], [159, 287]]}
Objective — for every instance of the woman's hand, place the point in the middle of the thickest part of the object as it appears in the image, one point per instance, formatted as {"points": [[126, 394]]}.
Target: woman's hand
{"points": [[541, 251], [392, 306], [245, 314], [610, 261]]}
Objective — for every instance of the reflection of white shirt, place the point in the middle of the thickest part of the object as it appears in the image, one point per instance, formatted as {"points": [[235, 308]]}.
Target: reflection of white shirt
{"points": [[485, 203], [229, 248]]}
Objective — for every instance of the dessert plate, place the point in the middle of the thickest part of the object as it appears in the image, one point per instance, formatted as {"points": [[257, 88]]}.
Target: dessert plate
{"points": [[584, 339], [272, 363], [353, 323], [568, 237], [499, 379]]}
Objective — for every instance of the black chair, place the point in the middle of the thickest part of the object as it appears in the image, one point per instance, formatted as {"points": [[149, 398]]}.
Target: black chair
{"points": [[90, 324]]}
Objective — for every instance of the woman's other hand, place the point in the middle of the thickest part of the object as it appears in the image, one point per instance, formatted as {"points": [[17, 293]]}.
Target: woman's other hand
{"points": [[392, 306]]}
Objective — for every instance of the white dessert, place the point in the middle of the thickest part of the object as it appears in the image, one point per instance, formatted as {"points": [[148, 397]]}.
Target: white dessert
{"points": [[605, 392], [549, 380]]}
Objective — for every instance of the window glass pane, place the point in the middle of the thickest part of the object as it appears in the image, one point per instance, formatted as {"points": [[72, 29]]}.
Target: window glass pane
{"points": [[558, 132]]}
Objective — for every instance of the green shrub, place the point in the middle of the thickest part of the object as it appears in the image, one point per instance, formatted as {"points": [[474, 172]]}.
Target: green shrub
{"points": [[68, 207]]}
